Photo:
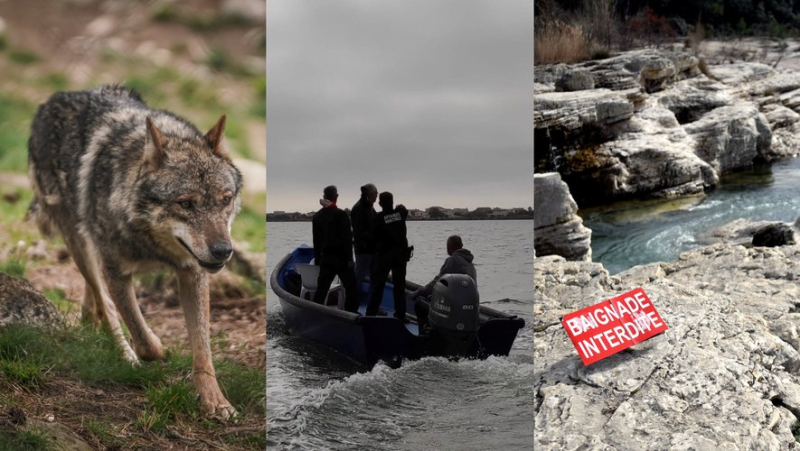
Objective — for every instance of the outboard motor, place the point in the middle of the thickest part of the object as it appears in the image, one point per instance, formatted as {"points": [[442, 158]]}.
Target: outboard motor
{"points": [[453, 315]]}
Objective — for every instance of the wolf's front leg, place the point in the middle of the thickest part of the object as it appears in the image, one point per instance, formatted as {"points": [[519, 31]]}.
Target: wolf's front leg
{"points": [[194, 298], [146, 344]]}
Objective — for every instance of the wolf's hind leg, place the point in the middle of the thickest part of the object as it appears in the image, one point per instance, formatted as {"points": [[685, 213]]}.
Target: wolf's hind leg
{"points": [[88, 263], [146, 344], [89, 314], [194, 298]]}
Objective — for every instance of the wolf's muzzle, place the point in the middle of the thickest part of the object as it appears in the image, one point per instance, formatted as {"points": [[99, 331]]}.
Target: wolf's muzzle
{"points": [[212, 267], [221, 250]]}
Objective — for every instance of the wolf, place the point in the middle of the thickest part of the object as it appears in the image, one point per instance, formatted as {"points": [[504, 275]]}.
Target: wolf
{"points": [[131, 189]]}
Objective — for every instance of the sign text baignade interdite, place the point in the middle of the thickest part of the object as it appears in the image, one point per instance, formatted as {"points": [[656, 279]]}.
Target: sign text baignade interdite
{"points": [[612, 325]]}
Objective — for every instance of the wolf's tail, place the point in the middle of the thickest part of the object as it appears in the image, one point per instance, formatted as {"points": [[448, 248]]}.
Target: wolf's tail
{"points": [[35, 212], [43, 221]]}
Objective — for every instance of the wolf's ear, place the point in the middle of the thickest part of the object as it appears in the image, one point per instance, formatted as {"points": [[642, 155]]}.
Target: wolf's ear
{"points": [[214, 138], [153, 146]]}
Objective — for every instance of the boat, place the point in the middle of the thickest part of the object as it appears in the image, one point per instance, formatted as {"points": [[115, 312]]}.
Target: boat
{"points": [[459, 326]]}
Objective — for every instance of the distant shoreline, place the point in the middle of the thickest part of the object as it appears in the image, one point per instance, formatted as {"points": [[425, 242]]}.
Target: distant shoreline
{"points": [[517, 218], [429, 214]]}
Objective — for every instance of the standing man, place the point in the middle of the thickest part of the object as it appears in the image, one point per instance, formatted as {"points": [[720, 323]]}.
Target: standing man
{"points": [[391, 245], [362, 216], [333, 249], [459, 261]]}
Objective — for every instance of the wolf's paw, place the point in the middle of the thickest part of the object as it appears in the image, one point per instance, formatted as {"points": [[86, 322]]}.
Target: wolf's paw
{"points": [[150, 350], [130, 356], [218, 408]]}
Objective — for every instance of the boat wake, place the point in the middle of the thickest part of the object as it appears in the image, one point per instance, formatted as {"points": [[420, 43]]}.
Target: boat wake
{"points": [[383, 407]]}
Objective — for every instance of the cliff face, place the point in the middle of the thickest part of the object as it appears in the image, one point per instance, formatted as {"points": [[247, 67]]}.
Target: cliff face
{"points": [[724, 376], [649, 123], [557, 229]]}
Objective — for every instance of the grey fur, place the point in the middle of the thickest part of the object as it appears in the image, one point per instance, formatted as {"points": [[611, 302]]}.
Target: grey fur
{"points": [[126, 198]]}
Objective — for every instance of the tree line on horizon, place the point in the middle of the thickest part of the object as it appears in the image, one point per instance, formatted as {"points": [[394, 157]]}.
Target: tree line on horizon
{"points": [[431, 213], [576, 30]]}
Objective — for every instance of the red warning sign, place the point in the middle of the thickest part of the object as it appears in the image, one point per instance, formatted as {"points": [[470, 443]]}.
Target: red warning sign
{"points": [[615, 324]]}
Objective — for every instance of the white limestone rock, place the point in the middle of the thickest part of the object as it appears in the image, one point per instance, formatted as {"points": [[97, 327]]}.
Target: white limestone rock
{"points": [[557, 229], [724, 376]]}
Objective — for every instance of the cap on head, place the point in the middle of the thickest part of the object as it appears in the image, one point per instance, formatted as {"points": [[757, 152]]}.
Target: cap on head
{"points": [[453, 244], [330, 193], [386, 200]]}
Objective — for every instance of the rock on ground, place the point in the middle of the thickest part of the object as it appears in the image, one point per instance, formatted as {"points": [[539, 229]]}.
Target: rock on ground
{"points": [[724, 376], [740, 231], [557, 229], [20, 303], [774, 235]]}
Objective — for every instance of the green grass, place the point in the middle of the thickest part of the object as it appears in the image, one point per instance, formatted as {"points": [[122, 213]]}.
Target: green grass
{"points": [[260, 103], [24, 373], [164, 12], [250, 227], [28, 440], [195, 94], [14, 266], [21, 357], [54, 81], [237, 138], [23, 56], [245, 387], [103, 431], [16, 210], [149, 87], [95, 359], [169, 402], [15, 119], [149, 420], [252, 441], [211, 22], [29, 357], [59, 298], [154, 280], [219, 61]]}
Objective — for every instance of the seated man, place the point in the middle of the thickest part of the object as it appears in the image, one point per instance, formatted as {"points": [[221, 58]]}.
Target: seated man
{"points": [[458, 262]]}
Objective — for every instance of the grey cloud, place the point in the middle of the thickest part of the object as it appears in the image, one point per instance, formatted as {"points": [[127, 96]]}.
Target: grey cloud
{"points": [[434, 98]]}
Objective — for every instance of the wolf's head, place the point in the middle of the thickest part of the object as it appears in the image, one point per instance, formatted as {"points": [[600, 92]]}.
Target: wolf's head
{"points": [[188, 193]]}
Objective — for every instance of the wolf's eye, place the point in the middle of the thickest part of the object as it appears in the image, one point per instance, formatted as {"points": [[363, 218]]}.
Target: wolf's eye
{"points": [[187, 204], [226, 200]]}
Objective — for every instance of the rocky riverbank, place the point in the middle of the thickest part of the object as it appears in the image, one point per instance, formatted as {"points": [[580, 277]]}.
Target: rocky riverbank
{"points": [[724, 376], [660, 123]]}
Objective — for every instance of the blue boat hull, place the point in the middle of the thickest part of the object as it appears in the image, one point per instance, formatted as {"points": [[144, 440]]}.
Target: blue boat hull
{"points": [[370, 339]]}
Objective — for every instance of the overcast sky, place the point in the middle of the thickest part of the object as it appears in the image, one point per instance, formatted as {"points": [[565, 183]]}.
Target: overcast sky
{"points": [[429, 99]]}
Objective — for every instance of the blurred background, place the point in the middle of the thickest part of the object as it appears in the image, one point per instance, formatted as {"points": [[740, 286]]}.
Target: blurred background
{"points": [[198, 59]]}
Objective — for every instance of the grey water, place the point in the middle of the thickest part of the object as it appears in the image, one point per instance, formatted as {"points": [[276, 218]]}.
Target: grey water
{"points": [[318, 399], [629, 234]]}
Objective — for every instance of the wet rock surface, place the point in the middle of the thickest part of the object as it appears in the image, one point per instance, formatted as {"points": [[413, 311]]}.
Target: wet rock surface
{"points": [[724, 376]]}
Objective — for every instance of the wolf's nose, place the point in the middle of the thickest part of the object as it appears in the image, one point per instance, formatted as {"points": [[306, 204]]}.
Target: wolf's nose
{"points": [[221, 249]]}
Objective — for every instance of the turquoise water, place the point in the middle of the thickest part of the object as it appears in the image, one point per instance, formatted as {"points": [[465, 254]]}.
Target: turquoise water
{"points": [[635, 233]]}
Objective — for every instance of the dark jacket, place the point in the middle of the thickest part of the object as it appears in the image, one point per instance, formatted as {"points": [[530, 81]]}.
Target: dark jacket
{"points": [[458, 263], [333, 238], [362, 215], [389, 230]]}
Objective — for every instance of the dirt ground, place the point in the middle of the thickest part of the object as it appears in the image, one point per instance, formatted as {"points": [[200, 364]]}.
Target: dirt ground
{"points": [[238, 320]]}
